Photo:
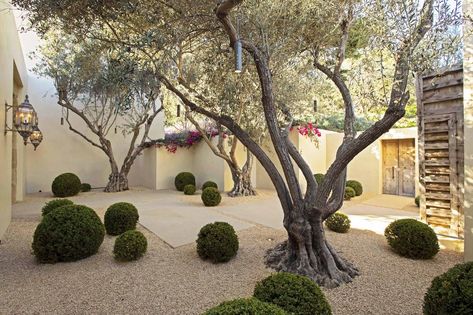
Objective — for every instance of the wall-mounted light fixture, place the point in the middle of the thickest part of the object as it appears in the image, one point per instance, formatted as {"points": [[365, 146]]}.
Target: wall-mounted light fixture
{"points": [[25, 122], [36, 137]]}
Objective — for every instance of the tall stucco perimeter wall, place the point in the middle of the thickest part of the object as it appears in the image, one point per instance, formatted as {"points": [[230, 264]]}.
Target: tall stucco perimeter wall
{"points": [[13, 79], [64, 151], [468, 116]]}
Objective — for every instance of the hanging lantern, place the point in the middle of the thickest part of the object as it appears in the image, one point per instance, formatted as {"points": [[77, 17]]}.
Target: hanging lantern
{"points": [[25, 118], [238, 57], [36, 137], [178, 114], [315, 106]]}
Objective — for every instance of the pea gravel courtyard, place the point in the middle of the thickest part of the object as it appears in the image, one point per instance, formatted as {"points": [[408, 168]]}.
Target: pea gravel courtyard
{"points": [[171, 280]]}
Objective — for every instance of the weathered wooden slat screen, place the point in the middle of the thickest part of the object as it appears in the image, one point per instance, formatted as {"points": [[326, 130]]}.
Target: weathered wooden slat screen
{"points": [[440, 123]]}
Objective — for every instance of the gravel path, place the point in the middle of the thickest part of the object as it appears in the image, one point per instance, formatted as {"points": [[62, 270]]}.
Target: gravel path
{"points": [[176, 281]]}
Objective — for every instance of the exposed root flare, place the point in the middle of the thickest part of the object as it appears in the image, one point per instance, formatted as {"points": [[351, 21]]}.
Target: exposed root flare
{"points": [[323, 265]]}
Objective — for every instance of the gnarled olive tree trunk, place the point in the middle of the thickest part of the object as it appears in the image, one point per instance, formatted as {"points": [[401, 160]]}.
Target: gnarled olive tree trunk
{"points": [[242, 185]]}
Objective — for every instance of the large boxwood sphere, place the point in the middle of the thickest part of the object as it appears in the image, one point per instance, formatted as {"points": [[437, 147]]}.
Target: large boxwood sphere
{"points": [[356, 185], [208, 184], [66, 185], [120, 217], [452, 292], [249, 306], [295, 294], [68, 233], [53, 204], [183, 179], [130, 245], [211, 197], [217, 242], [412, 239], [338, 222]]}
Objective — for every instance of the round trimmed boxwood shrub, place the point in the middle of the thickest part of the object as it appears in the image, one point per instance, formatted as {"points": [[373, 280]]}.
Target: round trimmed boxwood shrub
{"points": [[53, 204], [217, 242], [452, 292], [129, 246], [68, 233], [84, 187], [120, 217], [211, 197], [319, 178], [66, 185], [417, 201], [208, 184], [411, 238], [356, 185], [249, 306], [189, 190], [295, 294], [183, 179], [349, 193], [338, 222]]}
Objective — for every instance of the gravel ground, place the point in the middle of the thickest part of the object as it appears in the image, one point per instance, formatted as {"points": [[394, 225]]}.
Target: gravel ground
{"points": [[176, 281]]}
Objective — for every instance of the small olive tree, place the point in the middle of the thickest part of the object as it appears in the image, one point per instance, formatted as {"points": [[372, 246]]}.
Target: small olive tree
{"points": [[107, 90]]}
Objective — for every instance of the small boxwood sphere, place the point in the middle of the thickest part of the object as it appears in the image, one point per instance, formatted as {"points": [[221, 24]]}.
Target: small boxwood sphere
{"points": [[411, 238], [189, 190], [209, 184], [452, 292], [249, 306], [120, 217], [211, 197], [295, 294], [417, 201], [217, 242], [54, 204], [66, 185], [349, 193], [68, 233], [319, 178], [84, 187], [356, 185], [338, 222], [183, 179], [130, 245]]}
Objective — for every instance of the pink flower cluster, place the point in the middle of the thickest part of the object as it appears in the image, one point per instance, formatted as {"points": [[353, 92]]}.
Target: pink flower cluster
{"points": [[309, 130]]}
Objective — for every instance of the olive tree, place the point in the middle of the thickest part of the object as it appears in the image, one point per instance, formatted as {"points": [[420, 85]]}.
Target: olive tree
{"points": [[107, 90]]}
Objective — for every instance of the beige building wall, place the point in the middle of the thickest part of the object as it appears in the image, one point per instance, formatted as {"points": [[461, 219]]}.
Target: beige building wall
{"points": [[13, 81], [468, 116]]}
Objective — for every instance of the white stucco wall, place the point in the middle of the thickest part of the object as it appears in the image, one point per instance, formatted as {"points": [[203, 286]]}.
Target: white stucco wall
{"points": [[13, 79]]}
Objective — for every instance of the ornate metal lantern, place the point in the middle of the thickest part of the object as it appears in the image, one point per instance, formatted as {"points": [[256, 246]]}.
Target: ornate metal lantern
{"points": [[36, 137], [25, 120]]}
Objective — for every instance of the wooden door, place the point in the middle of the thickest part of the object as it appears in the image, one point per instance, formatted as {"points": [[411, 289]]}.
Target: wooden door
{"points": [[399, 167], [407, 165]]}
